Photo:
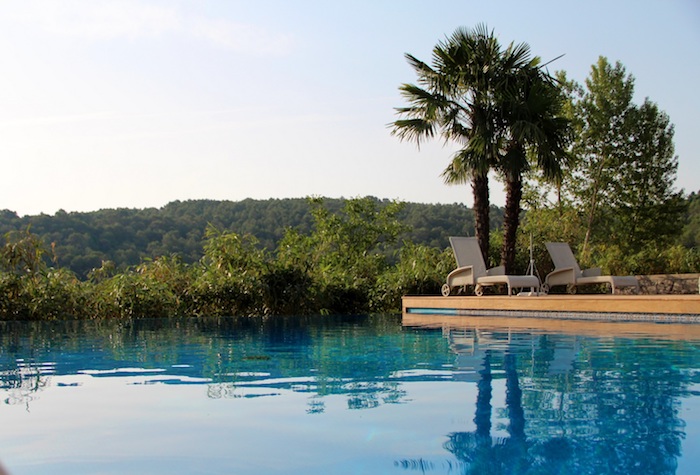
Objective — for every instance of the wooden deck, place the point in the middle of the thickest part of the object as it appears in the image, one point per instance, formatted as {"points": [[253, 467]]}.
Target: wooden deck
{"points": [[600, 329], [651, 308]]}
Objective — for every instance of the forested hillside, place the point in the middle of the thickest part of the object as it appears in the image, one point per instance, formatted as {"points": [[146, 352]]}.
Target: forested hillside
{"points": [[82, 241], [127, 236]]}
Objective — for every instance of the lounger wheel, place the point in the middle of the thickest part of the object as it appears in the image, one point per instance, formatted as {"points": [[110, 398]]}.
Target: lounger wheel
{"points": [[446, 290], [479, 290], [544, 288]]}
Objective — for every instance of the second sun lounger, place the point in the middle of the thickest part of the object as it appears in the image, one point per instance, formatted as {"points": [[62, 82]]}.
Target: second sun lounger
{"points": [[567, 272]]}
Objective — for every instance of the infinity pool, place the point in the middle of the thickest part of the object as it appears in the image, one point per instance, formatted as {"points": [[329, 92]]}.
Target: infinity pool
{"points": [[360, 395]]}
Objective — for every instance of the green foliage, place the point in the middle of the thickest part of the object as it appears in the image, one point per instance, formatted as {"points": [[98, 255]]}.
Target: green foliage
{"points": [[421, 270], [22, 254], [652, 259], [287, 291], [548, 224], [126, 237], [134, 295], [52, 294], [29, 289], [342, 265], [690, 237], [623, 179], [231, 255], [345, 253]]}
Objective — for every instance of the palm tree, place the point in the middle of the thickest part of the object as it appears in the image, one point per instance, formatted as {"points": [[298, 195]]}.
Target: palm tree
{"points": [[536, 133], [456, 97], [500, 107]]}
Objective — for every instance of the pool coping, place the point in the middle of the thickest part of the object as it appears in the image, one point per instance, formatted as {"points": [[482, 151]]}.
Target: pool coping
{"points": [[604, 307]]}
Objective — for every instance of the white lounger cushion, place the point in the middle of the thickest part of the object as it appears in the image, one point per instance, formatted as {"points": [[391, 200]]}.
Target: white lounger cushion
{"points": [[512, 281]]}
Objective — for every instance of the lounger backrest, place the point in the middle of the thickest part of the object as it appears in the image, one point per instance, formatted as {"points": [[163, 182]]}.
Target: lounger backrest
{"points": [[561, 255], [468, 253]]}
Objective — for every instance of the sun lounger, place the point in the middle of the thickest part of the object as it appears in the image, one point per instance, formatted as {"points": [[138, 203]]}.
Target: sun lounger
{"points": [[471, 270], [567, 272]]}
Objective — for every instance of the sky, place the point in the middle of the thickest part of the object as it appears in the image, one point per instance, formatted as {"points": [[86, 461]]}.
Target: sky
{"points": [[137, 103]]}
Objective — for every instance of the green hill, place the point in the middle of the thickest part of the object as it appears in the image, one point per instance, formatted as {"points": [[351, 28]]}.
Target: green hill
{"points": [[127, 236]]}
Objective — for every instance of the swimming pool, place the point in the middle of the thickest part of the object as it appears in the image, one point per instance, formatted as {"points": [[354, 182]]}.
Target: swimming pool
{"points": [[343, 395]]}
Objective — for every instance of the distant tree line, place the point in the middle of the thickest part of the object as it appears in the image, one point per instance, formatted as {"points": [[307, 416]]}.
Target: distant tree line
{"points": [[125, 237]]}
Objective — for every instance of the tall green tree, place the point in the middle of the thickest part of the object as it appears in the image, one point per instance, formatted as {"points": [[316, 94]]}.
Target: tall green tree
{"points": [[626, 168], [649, 208], [456, 98]]}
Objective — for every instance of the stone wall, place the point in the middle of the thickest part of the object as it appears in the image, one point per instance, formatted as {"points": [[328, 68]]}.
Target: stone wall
{"points": [[668, 284]]}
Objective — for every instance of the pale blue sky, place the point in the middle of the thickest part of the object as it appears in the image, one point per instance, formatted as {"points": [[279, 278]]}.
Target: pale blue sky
{"points": [[107, 104]]}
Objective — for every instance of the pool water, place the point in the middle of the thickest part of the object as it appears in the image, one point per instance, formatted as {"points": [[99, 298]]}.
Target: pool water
{"points": [[343, 395]]}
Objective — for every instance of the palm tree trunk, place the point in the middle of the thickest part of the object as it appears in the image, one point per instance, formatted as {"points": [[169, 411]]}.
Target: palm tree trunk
{"points": [[511, 221], [482, 418], [514, 400], [518, 461], [480, 188]]}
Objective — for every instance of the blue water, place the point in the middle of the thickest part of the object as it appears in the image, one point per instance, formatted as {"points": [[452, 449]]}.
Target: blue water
{"points": [[359, 395]]}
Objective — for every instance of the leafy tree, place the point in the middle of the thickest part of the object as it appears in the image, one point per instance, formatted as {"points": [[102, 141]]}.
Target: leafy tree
{"points": [[625, 170], [601, 111], [648, 208]]}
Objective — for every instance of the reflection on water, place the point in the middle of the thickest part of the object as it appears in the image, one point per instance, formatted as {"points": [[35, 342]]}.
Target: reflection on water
{"points": [[575, 405], [344, 395], [233, 357]]}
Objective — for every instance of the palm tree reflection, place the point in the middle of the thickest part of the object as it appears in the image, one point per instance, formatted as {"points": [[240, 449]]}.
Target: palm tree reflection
{"points": [[583, 411], [477, 450]]}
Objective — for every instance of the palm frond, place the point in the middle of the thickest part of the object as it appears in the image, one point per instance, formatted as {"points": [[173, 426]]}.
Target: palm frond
{"points": [[413, 130]]}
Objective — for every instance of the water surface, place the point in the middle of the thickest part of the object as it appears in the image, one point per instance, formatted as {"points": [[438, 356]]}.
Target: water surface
{"points": [[350, 395]]}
